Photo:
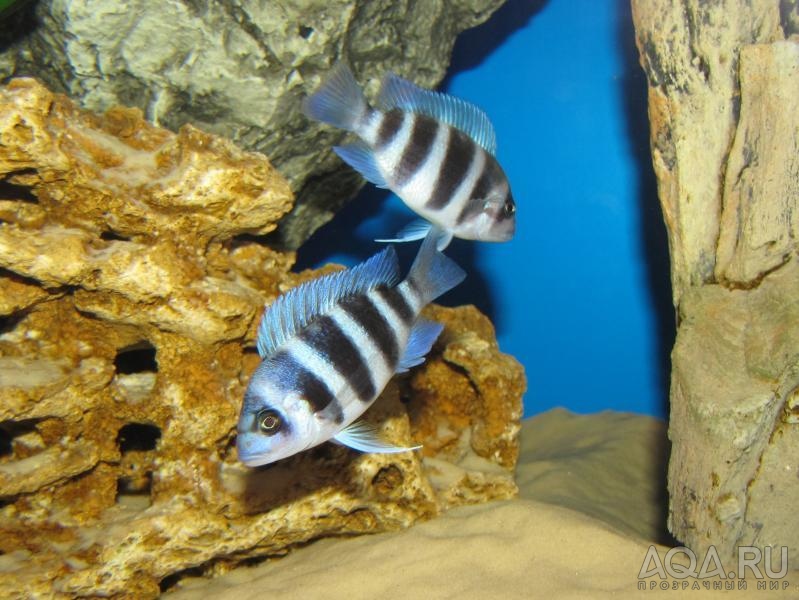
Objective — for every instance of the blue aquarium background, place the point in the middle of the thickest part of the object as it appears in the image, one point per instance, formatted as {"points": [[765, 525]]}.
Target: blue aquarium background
{"points": [[581, 296]]}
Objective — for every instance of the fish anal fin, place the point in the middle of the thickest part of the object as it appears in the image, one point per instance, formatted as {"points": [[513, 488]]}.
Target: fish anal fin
{"points": [[421, 339]]}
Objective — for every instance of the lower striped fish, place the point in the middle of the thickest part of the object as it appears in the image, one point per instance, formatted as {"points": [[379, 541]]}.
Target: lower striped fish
{"points": [[436, 152], [330, 346]]}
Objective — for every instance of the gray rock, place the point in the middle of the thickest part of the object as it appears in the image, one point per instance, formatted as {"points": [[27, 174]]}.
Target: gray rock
{"points": [[240, 69]]}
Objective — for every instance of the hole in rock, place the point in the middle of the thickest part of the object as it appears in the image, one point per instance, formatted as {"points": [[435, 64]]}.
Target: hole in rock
{"points": [[305, 31], [138, 436], [19, 439], [13, 191], [9, 322], [136, 442], [172, 580], [113, 236], [244, 239], [134, 492], [138, 358], [5, 443], [388, 479]]}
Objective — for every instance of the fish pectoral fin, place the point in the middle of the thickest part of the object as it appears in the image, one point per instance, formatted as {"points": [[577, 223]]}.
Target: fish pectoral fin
{"points": [[421, 339], [361, 158], [365, 438], [415, 230]]}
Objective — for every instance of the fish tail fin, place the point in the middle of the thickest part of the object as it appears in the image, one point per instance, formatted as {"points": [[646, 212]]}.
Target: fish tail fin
{"points": [[339, 101], [432, 273]]}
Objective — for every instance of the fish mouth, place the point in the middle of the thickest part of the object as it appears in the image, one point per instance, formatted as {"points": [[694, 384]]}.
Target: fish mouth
{"points": [[245, 452], [504, 235]]}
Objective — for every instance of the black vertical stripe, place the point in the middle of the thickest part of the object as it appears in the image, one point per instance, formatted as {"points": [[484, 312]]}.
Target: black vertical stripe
{"points": [[419, 145], [398, 304], [366, 314], [389, 126], [313, 389], [454, 169], [326, 338], [474, 204]]}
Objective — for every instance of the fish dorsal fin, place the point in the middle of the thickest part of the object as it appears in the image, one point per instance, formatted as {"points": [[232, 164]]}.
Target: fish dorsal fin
{"points": [[396, 92], [295, 309]]}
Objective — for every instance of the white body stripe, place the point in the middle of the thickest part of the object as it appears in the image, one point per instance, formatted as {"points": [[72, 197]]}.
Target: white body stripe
{"points": [[420, 187], [400, 331], [310, 358], [413, 299], [380, 371], [389, 158], [368, 131]]}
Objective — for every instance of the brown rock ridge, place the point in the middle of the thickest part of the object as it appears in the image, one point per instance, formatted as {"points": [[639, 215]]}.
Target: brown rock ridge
{"points": [[132, 278], [724, 112]]}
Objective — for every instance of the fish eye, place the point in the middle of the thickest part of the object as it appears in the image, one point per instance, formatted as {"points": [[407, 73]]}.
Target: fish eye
{"points": [[509, 208], [269, 421]]}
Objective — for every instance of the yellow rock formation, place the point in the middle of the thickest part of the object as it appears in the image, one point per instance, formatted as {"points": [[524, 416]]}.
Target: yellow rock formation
{"points": [[133, 273]]}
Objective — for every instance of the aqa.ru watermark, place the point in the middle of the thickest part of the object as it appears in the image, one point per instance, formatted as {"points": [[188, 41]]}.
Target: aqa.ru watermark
{"points": [[680, 563]]}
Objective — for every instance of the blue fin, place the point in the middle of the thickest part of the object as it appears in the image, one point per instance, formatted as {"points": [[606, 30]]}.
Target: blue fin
{"points": [[443, 239], [415, 230], [396, 92], [293, 310], [432, 273], [422, 337], [361, 158], [364, 437], [339, 101]]}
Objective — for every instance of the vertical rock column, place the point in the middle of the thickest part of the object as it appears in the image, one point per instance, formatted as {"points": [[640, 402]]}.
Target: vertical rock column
{"points": [[724, 115]]}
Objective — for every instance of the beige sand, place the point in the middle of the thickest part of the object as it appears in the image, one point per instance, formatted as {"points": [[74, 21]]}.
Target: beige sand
{"points": [[590, 505]]}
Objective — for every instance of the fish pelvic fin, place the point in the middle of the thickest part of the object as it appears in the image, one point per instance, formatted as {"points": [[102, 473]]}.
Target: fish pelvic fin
{"points": [[339, 101], [365, 437], [415, 230], [432, 273]]}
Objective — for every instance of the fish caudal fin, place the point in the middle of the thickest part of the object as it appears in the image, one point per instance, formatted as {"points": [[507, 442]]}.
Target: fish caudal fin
{"points": [[339, 101], [421, 339], [432, 273]]}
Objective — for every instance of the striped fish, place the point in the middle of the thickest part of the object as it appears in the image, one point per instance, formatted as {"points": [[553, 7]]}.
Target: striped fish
{"points": [[436, 152], [330, 346]]}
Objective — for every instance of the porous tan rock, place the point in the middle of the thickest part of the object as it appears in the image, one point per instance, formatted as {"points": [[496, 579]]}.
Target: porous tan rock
{"points": [[723, 99], [132, 276]]}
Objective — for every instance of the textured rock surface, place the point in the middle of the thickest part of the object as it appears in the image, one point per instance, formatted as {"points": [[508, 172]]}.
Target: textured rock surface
{"points": [[240, 68], [131, 282], [723, 103]]}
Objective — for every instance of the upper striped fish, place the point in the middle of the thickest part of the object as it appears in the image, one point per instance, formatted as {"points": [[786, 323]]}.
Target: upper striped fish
{"points": [[330, 346], [435, 151]]}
